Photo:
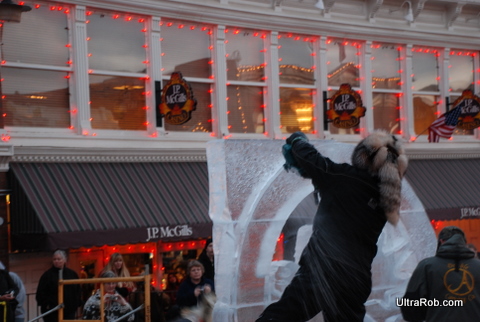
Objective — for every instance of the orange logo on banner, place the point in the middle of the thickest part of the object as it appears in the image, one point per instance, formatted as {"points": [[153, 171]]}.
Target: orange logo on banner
{"points": [[177, 100], [346, 108]]}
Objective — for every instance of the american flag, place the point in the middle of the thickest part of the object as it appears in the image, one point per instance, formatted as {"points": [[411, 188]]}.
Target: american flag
{"points": [[444, 125]]}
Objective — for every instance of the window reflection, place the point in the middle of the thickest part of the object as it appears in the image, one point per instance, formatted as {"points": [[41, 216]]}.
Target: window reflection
{"points": [[343, 62], [186, 48], [461, 71], [296, 59], [30, 101], [385, 66], [425, 112], [117, 103], [386, 112], [116, 42], [425, 69], [245, 54]]}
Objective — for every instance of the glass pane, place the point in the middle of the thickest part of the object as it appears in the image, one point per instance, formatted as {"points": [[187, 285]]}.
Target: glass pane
{"points": [[343, 62], [335, 130], [425, 69], [201, 117], [385, 66], [386, 114], [425, 112], [461, 71], [40, 38], [245, 109], [245, 54], [116, 42], [459, 131], [117, 103], [29, 100], [186, 49], [295, 59], [296, 107]]}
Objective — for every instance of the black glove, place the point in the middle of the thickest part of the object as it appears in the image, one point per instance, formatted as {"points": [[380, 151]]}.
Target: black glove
{"points": [[296, 136]]}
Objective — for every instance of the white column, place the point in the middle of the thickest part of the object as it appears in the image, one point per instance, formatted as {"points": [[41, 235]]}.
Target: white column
{"points": [[219, 98]]}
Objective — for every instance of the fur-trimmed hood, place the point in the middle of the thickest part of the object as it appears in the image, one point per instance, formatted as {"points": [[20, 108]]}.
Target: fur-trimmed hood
{"points": [[382, 155]]}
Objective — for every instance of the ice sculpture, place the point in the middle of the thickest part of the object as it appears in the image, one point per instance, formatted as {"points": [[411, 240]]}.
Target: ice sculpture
{"points": [[251, 198]]}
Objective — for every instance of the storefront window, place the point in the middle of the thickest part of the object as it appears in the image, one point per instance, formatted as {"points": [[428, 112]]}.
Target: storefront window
{"points": [[386, 67], [245, 54], [343, 62], [186, 48], [28, 99], [117, 103], [245, 109], [295, 54], [425, 112], [425, 75], [461, 70], [246, 74], [386, 114], [116, 42], [296, 108]]}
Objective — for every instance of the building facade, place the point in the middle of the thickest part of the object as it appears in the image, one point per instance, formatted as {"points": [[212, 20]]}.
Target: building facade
{"points": [[92, 162]]}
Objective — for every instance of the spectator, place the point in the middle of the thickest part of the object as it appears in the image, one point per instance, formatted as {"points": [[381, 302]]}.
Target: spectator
{"points": [[47, 290], [115, 304], [118, 267], [8, 290], [194, 285], [207, 259], [452, 274]]}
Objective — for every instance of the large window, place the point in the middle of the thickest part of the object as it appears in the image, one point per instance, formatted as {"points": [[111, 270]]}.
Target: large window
{"points": [[186, 48], [245, 50], [36, 69], [296, 65], [386, 87], [117, 67]]}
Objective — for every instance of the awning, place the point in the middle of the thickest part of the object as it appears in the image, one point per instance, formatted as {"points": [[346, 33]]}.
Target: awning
{"points": [[448, 188], [71, 205]]}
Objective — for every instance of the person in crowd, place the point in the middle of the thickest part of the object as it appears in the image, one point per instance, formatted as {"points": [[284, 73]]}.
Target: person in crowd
{"points": [[172, 288], [117, 266], [115, 305], [8, 293], [473, 249], [356, 201], [20, 297], [452, 274], [194, 285], [47, 289], [207, 259]]}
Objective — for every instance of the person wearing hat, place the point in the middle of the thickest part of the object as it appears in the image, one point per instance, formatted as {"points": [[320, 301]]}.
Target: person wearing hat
{"points": [[439, 282], [357, 200]]}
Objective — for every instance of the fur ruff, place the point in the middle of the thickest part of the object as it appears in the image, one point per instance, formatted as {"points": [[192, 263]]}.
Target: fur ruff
{"points": [[382, 155]]}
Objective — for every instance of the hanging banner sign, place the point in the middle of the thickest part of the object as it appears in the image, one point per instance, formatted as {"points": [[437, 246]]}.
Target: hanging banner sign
{"points": [[346, 108], [469, 104], [178, 102]]}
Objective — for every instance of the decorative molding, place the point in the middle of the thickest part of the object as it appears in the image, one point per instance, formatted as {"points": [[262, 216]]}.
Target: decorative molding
{"points": [[106, 158], [373, 6]]}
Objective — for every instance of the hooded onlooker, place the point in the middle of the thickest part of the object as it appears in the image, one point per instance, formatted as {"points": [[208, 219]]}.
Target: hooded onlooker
{"points": [[452, 274]]}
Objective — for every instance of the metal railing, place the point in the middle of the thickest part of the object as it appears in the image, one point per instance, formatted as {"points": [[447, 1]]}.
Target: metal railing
{"points": [[145, 279]]}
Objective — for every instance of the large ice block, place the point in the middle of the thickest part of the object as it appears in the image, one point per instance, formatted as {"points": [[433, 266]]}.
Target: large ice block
{"points": [[251, 199]]}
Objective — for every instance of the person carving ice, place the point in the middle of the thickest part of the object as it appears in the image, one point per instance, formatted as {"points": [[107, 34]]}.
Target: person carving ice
{"points": [[356, 202]]}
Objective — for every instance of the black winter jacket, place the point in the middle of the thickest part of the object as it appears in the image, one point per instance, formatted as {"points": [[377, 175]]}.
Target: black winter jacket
{"points": [[452, 274], [47, 290]]}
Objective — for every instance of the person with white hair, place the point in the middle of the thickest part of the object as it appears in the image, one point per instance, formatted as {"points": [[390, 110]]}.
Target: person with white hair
{"points": [[47, 289], [356, 202]]}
